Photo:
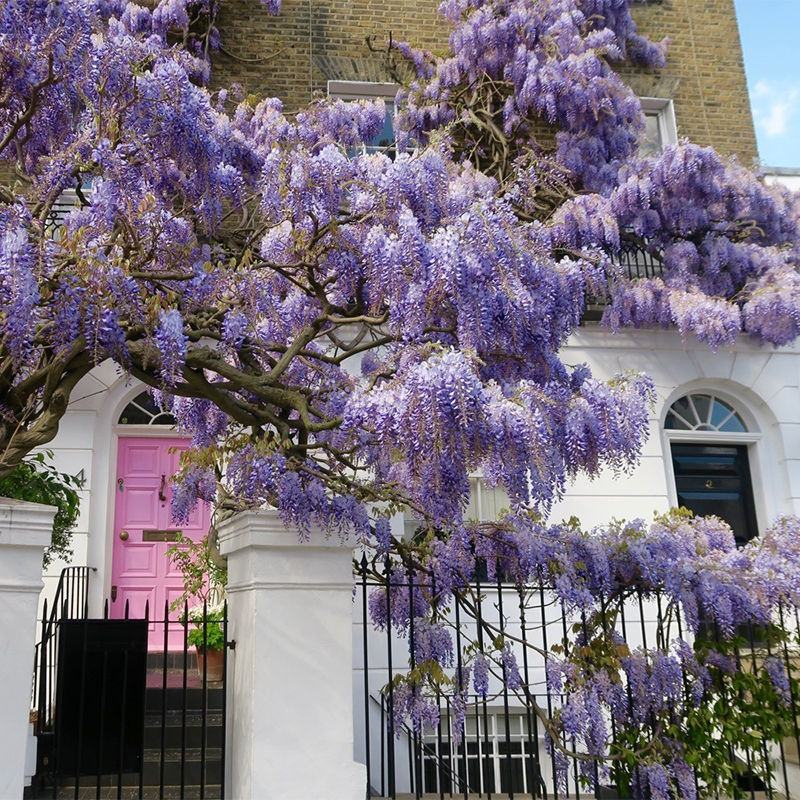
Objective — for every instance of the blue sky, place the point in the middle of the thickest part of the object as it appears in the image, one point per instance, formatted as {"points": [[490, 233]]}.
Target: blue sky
{"points": [[770, 32]]}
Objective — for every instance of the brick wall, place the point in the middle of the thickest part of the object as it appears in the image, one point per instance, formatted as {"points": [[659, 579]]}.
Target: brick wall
{"points": [[313, 41]]}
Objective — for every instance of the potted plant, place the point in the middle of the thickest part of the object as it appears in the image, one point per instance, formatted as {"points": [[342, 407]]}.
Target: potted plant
{"points": [[208, 638], [204, 580]]}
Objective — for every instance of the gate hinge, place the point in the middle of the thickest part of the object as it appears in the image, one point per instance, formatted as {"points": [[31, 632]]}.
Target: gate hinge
{"points": [[231, 644]]}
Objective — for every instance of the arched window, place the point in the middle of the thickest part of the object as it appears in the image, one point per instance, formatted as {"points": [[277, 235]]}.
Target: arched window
{"points": [[143, 410], [704, 412], [709, 444]]}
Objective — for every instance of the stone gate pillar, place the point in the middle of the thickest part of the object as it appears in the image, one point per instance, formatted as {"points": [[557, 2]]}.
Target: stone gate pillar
{"points": [[290, 697], [25, 532]]}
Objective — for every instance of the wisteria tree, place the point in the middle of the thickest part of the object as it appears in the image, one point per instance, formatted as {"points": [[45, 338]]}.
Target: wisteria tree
{"points": [[348, 334]]}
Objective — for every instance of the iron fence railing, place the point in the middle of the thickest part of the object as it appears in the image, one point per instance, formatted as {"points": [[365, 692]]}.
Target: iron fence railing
{"points": [[132, 706], [70, 601], [635, 261], [502, 747]]}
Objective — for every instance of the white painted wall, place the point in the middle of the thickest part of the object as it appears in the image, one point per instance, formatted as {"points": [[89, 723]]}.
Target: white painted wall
{"points": [[24, 533], [790, 178], [762, 382]]}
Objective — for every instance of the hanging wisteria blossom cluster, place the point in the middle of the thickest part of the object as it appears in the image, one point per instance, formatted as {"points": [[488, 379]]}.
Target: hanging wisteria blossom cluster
{"points": [[346, 334]]}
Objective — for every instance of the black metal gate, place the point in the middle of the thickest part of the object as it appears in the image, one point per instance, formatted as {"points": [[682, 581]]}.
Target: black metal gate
{"points": [[119, 717]]}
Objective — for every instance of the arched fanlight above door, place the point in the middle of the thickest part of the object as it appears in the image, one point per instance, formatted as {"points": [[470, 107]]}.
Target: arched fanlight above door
{"points": [[143, 410], [706, 412]]}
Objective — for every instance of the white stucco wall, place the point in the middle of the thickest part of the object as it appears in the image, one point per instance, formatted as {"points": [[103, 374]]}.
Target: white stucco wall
{"points": [[763, 382], [790, 178]]}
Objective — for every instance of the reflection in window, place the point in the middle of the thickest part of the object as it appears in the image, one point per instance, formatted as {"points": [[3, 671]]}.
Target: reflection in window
{"points": [[383, 142], [653, 142], [704, 412], [143, 410]]}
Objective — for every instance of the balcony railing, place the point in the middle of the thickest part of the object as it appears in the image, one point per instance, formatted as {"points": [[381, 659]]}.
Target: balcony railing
{"points": [[636, 263]]}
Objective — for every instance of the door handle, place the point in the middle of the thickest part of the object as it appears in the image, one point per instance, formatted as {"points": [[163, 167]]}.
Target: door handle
{"points": [[162, 488], [123, 536], [113, 593]]}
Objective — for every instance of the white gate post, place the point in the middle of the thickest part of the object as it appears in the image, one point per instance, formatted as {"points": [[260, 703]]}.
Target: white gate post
{"points": [[290, 696], [25, 532]]}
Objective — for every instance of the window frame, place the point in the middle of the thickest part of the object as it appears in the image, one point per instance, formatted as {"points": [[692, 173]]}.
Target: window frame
{"points": [[496, 739], [362, 90], [663, 109]]}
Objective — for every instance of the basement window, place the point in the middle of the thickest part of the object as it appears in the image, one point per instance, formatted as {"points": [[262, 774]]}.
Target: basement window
{"points": [[367, 90]]}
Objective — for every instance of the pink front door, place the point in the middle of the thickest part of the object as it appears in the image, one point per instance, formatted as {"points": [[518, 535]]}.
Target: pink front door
{"points": [[143, 526]]}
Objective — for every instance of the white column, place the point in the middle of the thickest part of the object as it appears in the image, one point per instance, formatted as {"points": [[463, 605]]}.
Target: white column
{"points": [[25, 531], [290, 697]]}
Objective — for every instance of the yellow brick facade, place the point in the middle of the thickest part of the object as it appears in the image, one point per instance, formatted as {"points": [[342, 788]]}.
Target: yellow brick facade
{"points": [[313, 41]]}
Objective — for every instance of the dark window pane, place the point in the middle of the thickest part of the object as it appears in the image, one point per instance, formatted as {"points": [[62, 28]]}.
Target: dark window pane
{"points": [[675, 423], [702, 404], [142, 410], [683, 408], [164, 418], [133, 415], [511, 775]]}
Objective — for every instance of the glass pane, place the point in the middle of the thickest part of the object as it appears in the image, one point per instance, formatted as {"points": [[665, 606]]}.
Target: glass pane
{"points": [[133, 415], [720, 412], [142, 410], [164, 418], [675, 423], [702, 404], [652, 143], [384, 139], [511, 775], [733, 424], [685, 410]]}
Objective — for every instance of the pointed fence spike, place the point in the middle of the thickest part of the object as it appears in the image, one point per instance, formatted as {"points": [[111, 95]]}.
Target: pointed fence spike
{"points": [[127, 608], [105, 609], [147, 610]]}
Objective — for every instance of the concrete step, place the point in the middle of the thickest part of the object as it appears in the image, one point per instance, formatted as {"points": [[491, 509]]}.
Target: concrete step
{"points": [[132, 793]]}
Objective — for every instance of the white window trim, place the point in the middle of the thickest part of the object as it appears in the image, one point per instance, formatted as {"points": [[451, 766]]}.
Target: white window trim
{"points": [[362, 90], [667, 123]]}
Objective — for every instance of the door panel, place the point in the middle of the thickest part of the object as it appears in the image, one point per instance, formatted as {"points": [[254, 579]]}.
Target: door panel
{"points": [[141, 571], [715, 479]]}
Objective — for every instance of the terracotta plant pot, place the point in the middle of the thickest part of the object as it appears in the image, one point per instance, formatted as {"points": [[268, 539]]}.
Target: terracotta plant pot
{"points": [[214, 661]]}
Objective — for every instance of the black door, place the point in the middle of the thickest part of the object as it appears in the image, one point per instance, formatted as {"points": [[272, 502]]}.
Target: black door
{"points": [[715, 479]]}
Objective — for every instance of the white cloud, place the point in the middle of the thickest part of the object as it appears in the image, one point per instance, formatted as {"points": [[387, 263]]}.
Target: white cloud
{"points": [[761, 89], [774, 108]]}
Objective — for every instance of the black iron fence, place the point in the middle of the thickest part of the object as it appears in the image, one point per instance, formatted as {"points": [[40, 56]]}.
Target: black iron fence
{"points": [[635, 261], [70, 601], [132, 707], [501, 747]]}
